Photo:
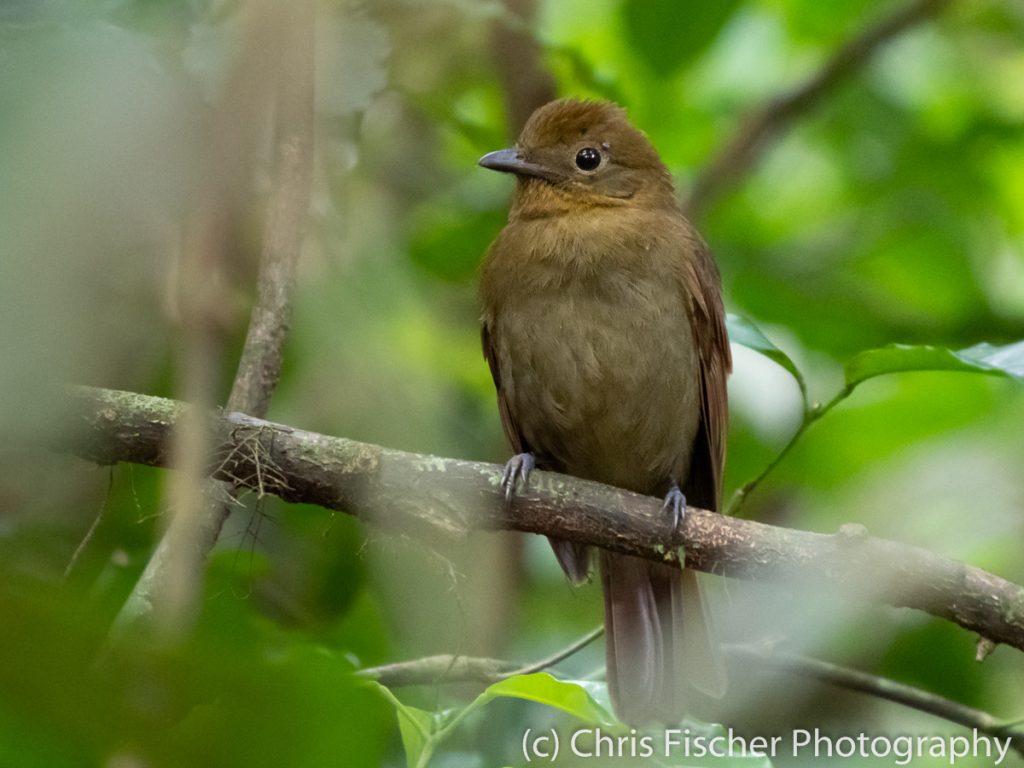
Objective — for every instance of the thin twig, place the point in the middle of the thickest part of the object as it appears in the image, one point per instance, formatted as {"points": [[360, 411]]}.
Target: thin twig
{"points": [[452, 668], [811, 415], [558, 656], [443, 668], [882, 688], [755, 133], [77, 555]]}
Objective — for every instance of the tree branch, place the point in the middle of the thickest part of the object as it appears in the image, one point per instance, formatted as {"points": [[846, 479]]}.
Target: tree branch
{"points": [[427, 495], [260, 365], [433, 670], [557, 656], [882, 688], [443, 668], [525, 82], [285, 37], [779, 112]]}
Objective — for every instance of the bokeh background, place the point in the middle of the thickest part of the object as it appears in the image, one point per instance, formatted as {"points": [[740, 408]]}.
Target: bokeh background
{"points": [[889, 209]]}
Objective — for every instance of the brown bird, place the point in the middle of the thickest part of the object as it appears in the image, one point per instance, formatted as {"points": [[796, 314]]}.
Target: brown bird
{"points": [[603, 326]]}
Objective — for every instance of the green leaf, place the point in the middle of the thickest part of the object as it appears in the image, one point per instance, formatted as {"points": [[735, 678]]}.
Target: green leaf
{"points": [[667, 34], [566, 695], [896, 358], [415, 726], [412, 724], [598, 690], [743, 331]]}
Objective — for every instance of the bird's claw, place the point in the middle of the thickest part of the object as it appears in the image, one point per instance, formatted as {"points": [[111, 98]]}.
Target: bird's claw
{"points": [[675, 504], [517, 469]]}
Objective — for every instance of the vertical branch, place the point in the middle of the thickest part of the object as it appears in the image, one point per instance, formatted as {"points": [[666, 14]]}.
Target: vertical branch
{"points": [[260, 364], [279, 54], [740, 154], [525, 81]]}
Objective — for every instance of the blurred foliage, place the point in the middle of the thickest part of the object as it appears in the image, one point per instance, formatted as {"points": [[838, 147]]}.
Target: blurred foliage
{"points": [[892, 213]]}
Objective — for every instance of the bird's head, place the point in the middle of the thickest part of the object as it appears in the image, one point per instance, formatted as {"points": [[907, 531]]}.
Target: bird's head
{"points": [[583, 152]]}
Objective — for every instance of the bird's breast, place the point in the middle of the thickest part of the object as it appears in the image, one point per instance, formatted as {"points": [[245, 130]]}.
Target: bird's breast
{"points": [[599, 369]]}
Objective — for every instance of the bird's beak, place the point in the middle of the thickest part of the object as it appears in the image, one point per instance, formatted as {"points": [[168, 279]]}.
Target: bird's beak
{"points": [[512, 161]]}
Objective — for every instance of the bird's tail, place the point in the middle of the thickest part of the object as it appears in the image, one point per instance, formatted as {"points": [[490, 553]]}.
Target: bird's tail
{"points": [[654, 656]]}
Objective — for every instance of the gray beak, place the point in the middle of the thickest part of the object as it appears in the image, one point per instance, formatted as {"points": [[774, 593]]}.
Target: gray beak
{"points": [[512, 161]]}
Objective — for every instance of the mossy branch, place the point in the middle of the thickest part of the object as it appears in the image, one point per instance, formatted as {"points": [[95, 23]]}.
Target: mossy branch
{"points": [[429, 495]]}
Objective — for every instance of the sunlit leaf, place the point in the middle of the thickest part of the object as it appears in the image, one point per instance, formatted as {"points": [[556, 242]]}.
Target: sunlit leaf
{"points": [[565, 695], [1007, 360], [744, 332]]}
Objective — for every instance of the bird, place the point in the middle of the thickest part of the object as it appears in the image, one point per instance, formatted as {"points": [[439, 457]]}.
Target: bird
{"points": [[603, 326]]}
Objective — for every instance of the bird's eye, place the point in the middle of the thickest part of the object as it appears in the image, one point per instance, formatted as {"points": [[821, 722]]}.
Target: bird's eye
{"points": [[587, 159]]}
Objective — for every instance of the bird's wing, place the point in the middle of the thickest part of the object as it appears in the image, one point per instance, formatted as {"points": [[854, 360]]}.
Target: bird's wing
{"points": [[508, 423], [703, 487], [573, 556]]}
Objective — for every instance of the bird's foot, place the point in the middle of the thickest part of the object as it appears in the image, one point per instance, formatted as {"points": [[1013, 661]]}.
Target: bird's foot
{"points": [[675, 504], [517, 469]]}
